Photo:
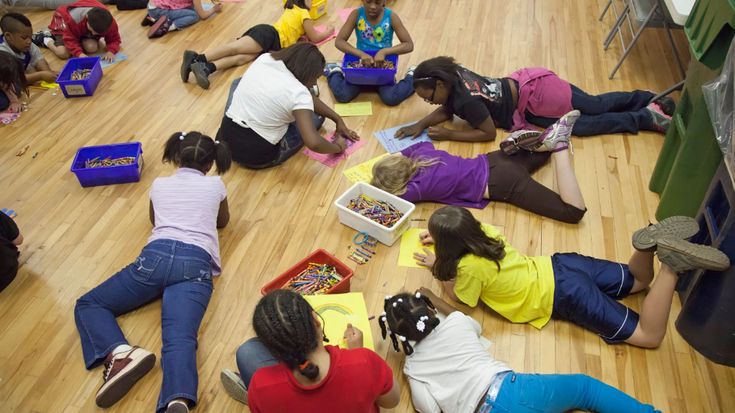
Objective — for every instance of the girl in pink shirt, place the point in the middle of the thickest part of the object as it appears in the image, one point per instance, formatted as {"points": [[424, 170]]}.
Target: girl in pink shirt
{"points": [[170, 15]]}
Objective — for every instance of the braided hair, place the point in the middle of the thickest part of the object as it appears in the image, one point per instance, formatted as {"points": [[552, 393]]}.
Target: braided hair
{"points": [[284, 322], [197, 151], [407, 317]]}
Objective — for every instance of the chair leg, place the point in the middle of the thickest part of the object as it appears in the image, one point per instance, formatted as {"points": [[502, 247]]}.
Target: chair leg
{"points": [[616, 27], [635, 39], [679, 63], [604, 11]]}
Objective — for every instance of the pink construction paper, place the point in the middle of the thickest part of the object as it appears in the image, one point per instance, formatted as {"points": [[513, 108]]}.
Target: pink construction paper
{"points": [[7, 117], [345, 13], [331, 160], [321, 29]]}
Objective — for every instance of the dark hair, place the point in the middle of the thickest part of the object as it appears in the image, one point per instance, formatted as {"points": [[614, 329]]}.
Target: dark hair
{"points": [[303, 59], [99, 19], [289, 4], [12, 73], [11, 22], [438, 68], [197, 151], [457, 233], [407, 317], [284, 323]]}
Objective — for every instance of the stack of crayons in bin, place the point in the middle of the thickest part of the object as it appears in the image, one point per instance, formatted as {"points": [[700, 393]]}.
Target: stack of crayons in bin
{"points": [[99, 163], [384, 213], [315, 279]]}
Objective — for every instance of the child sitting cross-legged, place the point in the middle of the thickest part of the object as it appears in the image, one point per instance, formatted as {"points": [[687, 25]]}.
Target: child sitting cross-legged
{"points": [[17, 40]]}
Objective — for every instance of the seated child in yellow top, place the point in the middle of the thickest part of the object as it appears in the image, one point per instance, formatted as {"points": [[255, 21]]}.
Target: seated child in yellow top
{"points": [[261, 38], [17, 41]]}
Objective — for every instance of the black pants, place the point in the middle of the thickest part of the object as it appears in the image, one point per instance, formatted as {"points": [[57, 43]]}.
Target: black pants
{"points": [[510, 181]]}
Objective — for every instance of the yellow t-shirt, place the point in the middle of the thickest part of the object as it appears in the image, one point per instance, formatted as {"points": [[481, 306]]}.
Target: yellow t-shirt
{"points": [[290, 26], [521, 291]]}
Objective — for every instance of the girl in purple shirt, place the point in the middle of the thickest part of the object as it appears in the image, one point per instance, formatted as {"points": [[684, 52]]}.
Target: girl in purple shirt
{"points": [[423, 173]]}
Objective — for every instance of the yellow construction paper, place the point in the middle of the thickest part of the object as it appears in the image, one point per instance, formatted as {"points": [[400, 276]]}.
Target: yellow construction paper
{"points": [[48, 85], [354, 109], [339, 309], [410, 243], [364, 171]]}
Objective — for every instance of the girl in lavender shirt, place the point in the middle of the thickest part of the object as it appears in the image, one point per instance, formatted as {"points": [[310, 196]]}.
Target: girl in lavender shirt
{"points": [[423, 173], [176, 265]]}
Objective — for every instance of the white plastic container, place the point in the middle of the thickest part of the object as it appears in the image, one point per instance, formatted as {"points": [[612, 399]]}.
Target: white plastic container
{"points": [[380, 232]]}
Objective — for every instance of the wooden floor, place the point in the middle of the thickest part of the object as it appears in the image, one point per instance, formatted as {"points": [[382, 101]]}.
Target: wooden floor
{"points": [[75, 237]]}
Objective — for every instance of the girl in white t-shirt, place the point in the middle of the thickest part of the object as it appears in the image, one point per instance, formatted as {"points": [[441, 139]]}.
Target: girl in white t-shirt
{"points": [[449, 369], [176, 265], [270, 114]]}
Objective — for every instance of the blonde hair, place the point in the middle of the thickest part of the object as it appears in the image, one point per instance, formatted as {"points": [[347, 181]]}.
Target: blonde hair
{"points": [[392, 173]]}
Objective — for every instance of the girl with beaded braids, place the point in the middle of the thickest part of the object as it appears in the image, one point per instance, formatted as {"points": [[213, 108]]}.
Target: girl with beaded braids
{"points": [[177, 265], [288, 368], [449, 369]]}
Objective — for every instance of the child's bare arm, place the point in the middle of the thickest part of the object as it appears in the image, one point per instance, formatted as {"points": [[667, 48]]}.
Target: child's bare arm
{"points": [[344, 34], [406, 44], [313, 35], [205, 14]]}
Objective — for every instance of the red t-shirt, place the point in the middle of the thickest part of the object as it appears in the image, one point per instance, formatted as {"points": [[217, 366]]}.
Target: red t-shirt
{"points": [[355, 380]]}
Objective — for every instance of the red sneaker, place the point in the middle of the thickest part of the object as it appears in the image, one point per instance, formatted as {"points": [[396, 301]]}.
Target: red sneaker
{"points": [[122, 370]]}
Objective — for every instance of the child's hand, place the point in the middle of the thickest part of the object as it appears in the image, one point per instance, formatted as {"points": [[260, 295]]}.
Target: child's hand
{"points": [[366, 59], [353, 336], [410, 130], [15, 107], [341, 142], [343, 130], [109, 57], [380, 56], [217, 6], [49, 76], [438, 133], [425, 238], [82, 55], [425, 260]]}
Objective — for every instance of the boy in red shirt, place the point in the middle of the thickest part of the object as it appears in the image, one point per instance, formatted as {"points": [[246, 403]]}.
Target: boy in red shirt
{"points": [[80, 29]]}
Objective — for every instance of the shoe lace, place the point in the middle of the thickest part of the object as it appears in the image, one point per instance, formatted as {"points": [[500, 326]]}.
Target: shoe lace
{"points": [[108, 369]]}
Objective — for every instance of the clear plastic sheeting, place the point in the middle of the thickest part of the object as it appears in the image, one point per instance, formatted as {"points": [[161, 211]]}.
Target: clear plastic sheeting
{"points": [[719, 94]]}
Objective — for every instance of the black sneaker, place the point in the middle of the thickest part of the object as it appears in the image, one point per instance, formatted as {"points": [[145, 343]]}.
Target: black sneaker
{"points": [[39, 37], [147, 21], [201, 73], [188, 59], [667, 105]]}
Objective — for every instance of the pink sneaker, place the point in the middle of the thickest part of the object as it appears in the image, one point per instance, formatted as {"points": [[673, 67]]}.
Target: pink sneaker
{"points": [[661, 120]]}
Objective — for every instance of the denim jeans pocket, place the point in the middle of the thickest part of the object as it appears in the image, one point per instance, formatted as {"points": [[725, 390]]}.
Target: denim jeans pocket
{"points": [[145, 265], [197, 270]]}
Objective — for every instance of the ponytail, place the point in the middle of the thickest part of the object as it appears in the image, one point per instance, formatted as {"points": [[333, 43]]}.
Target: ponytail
{"points": [[197, 151]]}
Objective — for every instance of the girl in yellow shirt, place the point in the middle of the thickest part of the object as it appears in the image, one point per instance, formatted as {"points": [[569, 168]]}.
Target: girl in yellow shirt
{"points": [[475, 263], [262, 38]]}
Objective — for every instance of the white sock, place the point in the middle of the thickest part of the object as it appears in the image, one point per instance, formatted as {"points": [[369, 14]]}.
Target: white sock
{"points": [[48, 41], [182, 401], [172, 27], [121, 349]]}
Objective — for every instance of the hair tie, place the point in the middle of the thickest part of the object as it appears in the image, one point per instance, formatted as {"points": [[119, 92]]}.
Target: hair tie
{"points": [[181, 137], [420, 326], [216, 142], [304, 365], [395, 304], [388, 297], [402, 338], [400, 300], [418, 295]]}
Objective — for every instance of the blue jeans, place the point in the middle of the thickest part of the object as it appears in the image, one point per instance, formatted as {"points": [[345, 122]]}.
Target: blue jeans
{"points": [[180, 274], [614, 112], [557, 393], [179, 17], [390, 95], [251, 356]]}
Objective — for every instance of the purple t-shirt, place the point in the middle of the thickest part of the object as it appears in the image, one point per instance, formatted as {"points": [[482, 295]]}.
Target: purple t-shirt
{"points": [[454, 180]]}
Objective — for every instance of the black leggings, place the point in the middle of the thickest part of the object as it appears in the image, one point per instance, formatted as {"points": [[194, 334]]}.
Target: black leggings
{"points": [[510, 181]]}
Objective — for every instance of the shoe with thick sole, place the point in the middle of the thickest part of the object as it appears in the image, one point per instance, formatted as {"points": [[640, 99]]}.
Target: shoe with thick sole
{"points": [[201, 74], [122, 374], [189, 56], [681, 256], [520, 140], [232, 382], [679, 227]]}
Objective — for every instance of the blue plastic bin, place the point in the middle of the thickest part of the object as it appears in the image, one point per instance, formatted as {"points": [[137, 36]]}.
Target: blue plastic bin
{"points": [[372, 77], [109, 174], [78, 88]]}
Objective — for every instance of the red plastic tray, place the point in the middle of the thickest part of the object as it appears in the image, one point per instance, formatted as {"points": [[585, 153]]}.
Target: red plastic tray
{"points": [[319, 256]]}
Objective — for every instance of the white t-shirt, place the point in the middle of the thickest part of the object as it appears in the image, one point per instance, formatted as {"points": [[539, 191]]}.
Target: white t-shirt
{"points": [[266, 97], [186, 205], [450, 370]]}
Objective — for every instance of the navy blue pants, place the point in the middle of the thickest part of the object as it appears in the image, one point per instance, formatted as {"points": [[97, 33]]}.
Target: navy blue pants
{"points": [[391, 95], [4, 101]]}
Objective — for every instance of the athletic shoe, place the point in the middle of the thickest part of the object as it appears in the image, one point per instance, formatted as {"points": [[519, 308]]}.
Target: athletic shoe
{"points": [[122, 370], [332, 67], [557, 139], [661, 120], [519, 140], [234, 385], [201, 73], [177, 407], [678, 227], [681, 256], [410, 70], [159, 28], [667, 105], [188, 59], [148, 21], [39, 37]]}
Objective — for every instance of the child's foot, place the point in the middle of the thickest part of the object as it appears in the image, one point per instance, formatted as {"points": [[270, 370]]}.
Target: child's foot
{"points": [[518, 140], [678, 227], [332, 67], [177, 406], [558, 138], [201, 73], [661, 120], [410, 71], [234, 385], [39, 38], [148, 21], [122, 370], [681, 256], [667, 105], [159, 28], [188, 59]]}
